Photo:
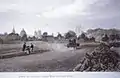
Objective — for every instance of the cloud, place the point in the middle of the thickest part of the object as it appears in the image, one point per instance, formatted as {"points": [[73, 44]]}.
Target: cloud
{"points": [[76, 8], [104, 9], [60, 15]]}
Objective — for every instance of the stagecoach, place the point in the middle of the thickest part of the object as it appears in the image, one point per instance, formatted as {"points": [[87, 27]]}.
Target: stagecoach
{"points": [[73, 44]]}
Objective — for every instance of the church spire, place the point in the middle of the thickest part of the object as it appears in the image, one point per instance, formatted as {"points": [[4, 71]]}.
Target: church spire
{"points": [[13, 31]]}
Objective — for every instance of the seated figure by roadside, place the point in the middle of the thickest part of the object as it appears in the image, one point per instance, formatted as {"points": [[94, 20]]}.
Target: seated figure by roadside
{"points": [[28, 49]]}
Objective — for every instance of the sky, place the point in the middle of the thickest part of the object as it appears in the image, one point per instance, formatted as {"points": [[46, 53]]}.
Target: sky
{"points": [[55, 16]]}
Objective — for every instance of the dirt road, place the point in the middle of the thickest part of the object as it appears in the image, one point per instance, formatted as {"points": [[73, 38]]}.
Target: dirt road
{"points": [[59, 58]]}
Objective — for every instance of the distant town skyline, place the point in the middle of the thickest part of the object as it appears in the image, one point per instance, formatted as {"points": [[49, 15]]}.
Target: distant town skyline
{"points": [[55, 16]]}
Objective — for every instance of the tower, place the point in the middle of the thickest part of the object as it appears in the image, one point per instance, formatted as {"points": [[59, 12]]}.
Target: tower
{"points": [[39, 34], [35, 34], [78, 30], [13, 30]]}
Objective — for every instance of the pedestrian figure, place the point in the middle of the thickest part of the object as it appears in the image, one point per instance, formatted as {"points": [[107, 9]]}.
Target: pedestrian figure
{"points": [[24, 46], [31, 47], [28, 49]]}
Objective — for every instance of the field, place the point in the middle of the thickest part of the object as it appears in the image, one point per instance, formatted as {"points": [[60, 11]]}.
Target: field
{"points": [[17, 47]]}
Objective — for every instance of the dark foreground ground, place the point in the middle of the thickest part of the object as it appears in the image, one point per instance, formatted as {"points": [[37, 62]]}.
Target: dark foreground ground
{"points": [[59, 58]]}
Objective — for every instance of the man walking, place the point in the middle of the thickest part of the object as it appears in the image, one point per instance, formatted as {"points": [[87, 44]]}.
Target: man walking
{"points": [[32, 46], [24, 47]]}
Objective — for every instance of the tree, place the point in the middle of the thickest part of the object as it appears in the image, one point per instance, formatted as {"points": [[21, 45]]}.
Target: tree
{"points": [[117, 36], [45, 34], [105, 38], [112, 37], [83, 36], [70, 34], [1, 41], [92, 39]]}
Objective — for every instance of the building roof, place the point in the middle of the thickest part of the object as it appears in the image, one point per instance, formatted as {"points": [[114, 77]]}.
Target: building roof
{"points": [[13, 34]]}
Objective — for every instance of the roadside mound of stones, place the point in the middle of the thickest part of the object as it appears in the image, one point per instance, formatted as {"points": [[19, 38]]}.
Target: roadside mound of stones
{"points": [[101, 59]]}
